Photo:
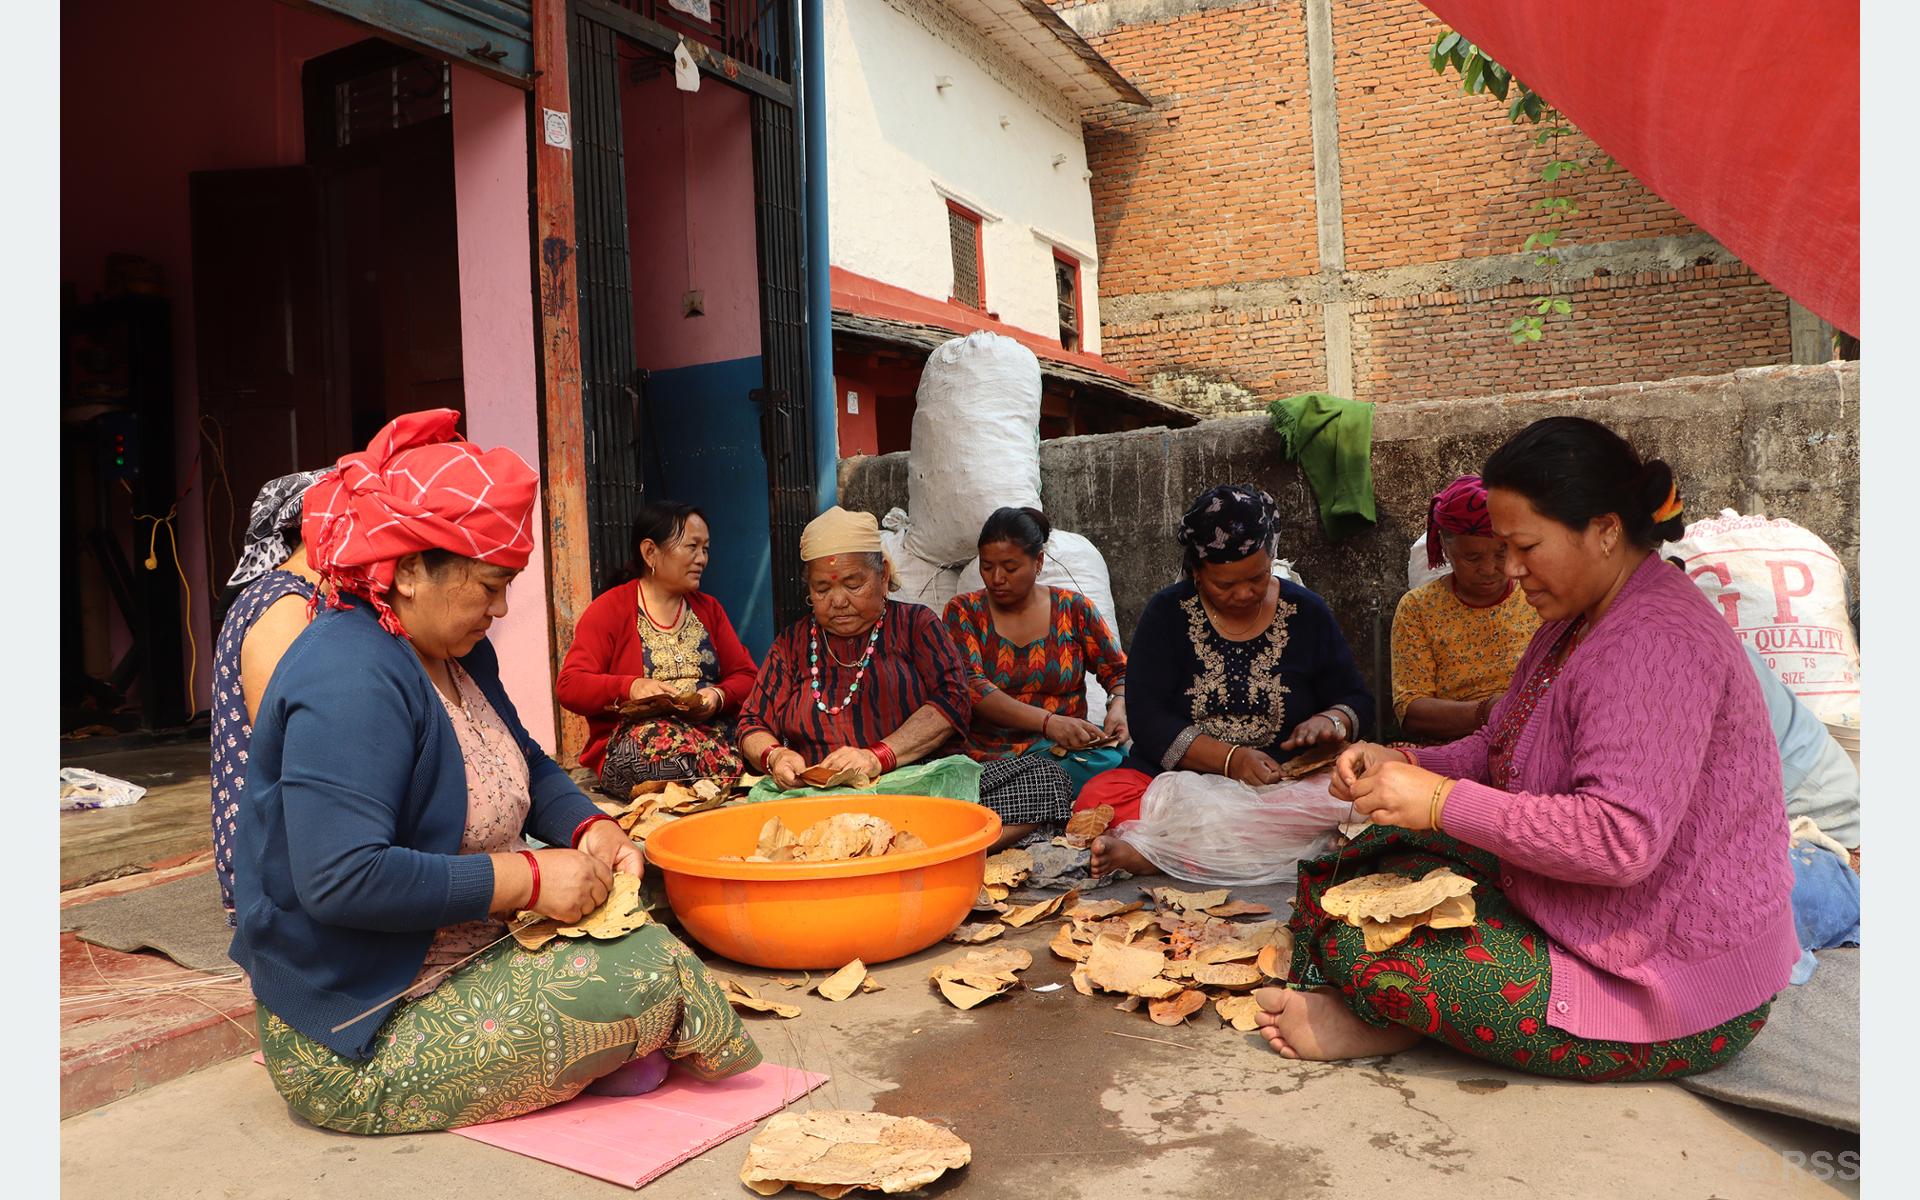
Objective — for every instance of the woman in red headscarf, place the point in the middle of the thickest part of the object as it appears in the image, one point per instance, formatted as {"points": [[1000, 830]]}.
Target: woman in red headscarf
{"points": [[383, 839], [1457, 638]]}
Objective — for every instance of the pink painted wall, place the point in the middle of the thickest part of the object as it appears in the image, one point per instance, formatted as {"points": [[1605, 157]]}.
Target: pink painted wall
{"points": [[689, 159], [498, 353], [135, 118]]}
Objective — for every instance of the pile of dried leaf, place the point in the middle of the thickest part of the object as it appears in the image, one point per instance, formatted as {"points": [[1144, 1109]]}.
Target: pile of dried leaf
{"points": [[662, 801], [830, 1153], [1176, 958], [979, 975], [826, 777], [1085, 826], [618, 915], [841, 836], [1387, 908], [836, 987], [659, 704], [1005, 872]]}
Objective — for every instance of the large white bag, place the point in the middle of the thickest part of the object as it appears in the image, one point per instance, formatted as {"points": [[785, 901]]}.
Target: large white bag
{"points": [[1784, 592], [976, 443], [1216, 831], [921, 582], [1075, 564]]}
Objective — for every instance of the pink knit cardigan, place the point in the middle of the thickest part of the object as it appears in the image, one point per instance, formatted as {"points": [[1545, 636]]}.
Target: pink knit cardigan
{"points": [[1649, 836]]}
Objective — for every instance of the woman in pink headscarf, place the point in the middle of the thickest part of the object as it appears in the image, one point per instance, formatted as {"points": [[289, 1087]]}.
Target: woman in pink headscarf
{"points": [[385, 839], [1457, 638]]}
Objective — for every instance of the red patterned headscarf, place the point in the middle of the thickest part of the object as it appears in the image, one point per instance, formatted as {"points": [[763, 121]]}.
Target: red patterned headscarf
{"points": [[1460, 507], [418, 486]]}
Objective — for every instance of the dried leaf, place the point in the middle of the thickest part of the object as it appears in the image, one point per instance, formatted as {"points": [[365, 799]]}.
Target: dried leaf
{"points": [[1175, 1009], [741, 996], [825, 1150], [826, 777], [973, 935], [1272, 963], [1226, 942], [1022, 917], [1130, 1004], [1174, 898], [1100, 910], [618, 915], [1385, 935], [791, 982], [844, 982], [1227, 975], [642, 830], [1385, 896], [995, 893], [1455, 912], [870, 984], [1178, 968], [1238, 1011], [1066, 947], [1086, 825], [1308, 761], [906, 843], [980, 975], [1007, 869], [649, 787], [1115, 966], [1081, 983], [1239, 908], [535, 934], [985, 902], [775, 835]]}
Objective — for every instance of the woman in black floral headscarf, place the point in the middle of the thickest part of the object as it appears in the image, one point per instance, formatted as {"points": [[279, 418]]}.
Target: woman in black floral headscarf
{"points": [[1232, 670]]}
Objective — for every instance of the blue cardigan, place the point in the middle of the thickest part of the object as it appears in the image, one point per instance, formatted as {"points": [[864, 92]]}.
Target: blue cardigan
{"points": [[347, 857]]}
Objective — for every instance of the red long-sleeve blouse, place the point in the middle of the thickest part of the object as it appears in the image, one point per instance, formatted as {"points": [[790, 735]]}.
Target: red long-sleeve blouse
{"points": [[606, 657]]}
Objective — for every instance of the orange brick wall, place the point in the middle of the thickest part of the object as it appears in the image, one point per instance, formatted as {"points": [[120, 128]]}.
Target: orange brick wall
{"points": [[1655, 325], [1213, 186], [1220, 170], [1428, 174]]}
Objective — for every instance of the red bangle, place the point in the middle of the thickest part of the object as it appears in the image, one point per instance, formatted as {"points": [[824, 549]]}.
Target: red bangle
{"points": [[580, 830], [533, 864], [767, 754], [1406, 754], [888, 759]]}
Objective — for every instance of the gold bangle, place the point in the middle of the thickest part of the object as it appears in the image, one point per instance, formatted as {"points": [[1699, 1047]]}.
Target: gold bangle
{"points": [[1226, 768], [1433, 805]]}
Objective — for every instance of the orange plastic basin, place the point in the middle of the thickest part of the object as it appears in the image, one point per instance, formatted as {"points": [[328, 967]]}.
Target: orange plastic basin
{"points": [[825, 914]]}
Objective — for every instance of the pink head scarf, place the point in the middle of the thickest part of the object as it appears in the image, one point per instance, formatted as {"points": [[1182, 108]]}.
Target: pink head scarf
{"points": [[1460, 507]]}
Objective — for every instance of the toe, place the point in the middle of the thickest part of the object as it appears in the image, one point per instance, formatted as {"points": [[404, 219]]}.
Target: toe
{"points": [[1270, 999]]}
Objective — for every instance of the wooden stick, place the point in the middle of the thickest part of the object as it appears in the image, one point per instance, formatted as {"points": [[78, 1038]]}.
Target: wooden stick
{"points": [[1158, 1041], [440, 974]]}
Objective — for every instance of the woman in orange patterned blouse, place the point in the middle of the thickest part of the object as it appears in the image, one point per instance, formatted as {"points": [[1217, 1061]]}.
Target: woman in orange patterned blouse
{"points": [[1457, 639], [1029, 649]]}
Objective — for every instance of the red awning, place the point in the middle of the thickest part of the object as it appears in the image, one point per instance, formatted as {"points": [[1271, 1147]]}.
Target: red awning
{"points": [[1742, 114]]}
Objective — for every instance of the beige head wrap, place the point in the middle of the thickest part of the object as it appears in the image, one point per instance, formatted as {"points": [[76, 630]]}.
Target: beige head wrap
{"points": [[837, 531]]}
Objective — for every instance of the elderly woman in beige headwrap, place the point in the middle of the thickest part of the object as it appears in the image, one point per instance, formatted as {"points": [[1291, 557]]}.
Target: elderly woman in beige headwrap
{"points": [[867, 685]]}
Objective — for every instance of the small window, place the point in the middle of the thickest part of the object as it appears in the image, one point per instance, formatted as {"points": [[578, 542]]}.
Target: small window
{"points": [[392, 97], [969, 260], [1066, 285]]}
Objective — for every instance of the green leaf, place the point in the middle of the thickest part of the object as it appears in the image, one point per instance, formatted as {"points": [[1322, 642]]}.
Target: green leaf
{"points": [[1557, 168], [1548, 236], [1533, 334], [1562, 306], [1533, 108], [1543, 304], [1471, 75], [1446, 43]]}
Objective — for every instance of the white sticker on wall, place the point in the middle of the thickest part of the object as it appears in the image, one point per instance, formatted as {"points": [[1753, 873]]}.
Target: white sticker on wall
{"points": [[853, 404], [559, 128], [686, 72], [698, 9]]}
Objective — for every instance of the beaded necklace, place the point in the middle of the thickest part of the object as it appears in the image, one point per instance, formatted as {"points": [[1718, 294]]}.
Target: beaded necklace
{"points": [[813, 657]]}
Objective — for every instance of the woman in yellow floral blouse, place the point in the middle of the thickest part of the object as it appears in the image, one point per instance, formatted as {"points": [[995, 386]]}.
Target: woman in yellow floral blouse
{"points": [[1457, 639]]}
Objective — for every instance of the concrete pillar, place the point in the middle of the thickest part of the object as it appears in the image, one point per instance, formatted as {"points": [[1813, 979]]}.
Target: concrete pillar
{"points": [[1812, 337], [1324, 109]]}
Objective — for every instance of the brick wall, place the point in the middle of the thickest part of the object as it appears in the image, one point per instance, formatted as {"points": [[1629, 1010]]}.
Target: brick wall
{"points": [[1211, 284]]}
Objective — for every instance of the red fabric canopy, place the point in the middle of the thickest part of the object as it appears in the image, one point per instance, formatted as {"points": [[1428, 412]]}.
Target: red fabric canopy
{"points": [[1742, 114]]}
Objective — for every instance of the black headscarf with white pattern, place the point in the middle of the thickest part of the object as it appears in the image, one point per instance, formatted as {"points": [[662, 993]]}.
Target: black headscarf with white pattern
{"points": [[1229, 523], [273, 526]]}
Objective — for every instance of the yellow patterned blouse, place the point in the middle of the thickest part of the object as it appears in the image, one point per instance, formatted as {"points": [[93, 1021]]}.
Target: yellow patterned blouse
{"points": [[1447, 651]]}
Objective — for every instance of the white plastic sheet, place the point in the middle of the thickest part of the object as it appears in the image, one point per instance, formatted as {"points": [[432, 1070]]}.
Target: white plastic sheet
{"points": [[1216, 831]]}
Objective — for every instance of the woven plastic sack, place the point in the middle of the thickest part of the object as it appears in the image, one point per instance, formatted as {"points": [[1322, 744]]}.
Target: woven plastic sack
{"points": [[921, 582], [1216, 831], [1784, 592], [976, 444]]}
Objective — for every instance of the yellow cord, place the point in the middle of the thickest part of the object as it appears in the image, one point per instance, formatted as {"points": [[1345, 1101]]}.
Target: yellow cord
{"points": [[153, 564]]}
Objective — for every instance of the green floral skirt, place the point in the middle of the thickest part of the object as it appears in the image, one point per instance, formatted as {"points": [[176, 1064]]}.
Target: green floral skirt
{"points": [[514, 1031]]}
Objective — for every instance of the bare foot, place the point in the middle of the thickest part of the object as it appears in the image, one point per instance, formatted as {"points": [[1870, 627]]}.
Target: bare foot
{"points": [[1319, 1026], [1113, 854], [1009, 834]]}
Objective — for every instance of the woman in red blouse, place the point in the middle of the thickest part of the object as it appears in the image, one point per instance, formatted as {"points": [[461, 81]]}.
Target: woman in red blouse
{"points": [[658, 637]]}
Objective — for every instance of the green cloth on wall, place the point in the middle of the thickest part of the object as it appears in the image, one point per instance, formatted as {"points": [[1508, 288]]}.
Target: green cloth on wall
{"points": [[1332, 441]]}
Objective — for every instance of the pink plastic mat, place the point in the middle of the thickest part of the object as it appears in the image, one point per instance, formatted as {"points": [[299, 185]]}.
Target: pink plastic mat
{"points": [[631, 1140]]}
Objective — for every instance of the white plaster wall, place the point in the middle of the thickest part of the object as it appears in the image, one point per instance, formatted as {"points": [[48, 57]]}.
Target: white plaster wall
{"points": [[896, 142]]}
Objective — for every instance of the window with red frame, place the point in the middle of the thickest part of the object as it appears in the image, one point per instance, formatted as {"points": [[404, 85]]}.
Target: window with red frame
{"points": [[969, 257], [1066, 286]]}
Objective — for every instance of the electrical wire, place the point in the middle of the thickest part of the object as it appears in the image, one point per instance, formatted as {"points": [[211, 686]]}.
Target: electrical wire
{"points": [[152, 563]]}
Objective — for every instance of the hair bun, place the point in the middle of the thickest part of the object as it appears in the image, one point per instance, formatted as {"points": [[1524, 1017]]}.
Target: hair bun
{"points": [[1040, 519]]}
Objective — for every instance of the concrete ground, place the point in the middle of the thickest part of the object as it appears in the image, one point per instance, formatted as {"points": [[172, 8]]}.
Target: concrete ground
{"points": [[1054, 1103]]}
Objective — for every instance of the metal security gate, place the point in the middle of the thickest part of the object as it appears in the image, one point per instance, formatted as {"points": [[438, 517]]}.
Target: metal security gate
{"points": [[749, 44], [786, 431], [609, 399]]}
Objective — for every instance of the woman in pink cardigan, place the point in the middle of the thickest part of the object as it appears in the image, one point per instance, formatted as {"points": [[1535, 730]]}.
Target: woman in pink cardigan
{"points": [[1620, 815]]}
